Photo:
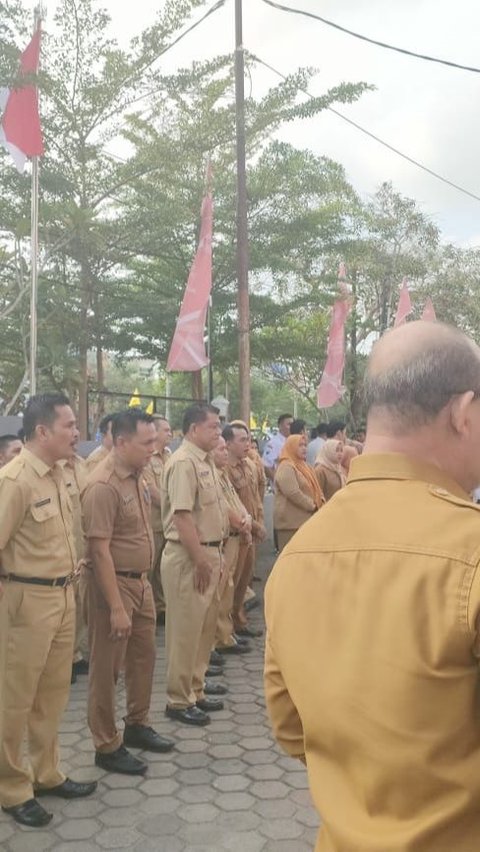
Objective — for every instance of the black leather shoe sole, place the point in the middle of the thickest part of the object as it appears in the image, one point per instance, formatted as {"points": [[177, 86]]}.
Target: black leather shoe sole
{"points": [[249, 632], [234, 649], [214, 671], [29, 813], [124, 765], [147, 742], [214, 688], [209, 705], [188, 715], [69, 789], [215, 659]]}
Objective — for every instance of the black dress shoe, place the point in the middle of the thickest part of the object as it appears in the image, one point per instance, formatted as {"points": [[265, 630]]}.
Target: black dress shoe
{"points": [[240, 640], [216, 659], [214, 688], [141, 736], [80, 667], [73, 677], [250, 632], [69, 789], [29, 813], [160, 619], [234, 649], [210, 705], [251, 604], [120, 761], [214, 671], [188, 715]]}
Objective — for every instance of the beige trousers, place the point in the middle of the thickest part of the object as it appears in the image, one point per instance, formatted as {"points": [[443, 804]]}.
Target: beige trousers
{"points": [[34, 686], [108, 657], [80, 646], [155, 576], [242, 578], [191, 620], [224, 630]]}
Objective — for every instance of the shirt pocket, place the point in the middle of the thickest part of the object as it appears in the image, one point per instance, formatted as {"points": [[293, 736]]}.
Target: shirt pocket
{"points": [[45, 517], [207, 493]]}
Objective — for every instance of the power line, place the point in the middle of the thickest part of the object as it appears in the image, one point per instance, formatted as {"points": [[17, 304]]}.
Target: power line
{"points": [[373, 136], [383, 44]]}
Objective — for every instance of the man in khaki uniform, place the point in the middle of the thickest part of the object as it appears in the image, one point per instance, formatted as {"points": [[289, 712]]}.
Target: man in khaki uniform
{"points": [[121, 614], [154, 474], [100, 453], [244, 478], [38, 561], [196, 527], [373, 614], [240, 529], [74, 473]]}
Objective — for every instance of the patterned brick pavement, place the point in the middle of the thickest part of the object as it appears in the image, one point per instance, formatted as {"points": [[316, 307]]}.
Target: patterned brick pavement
{"points": [[225, 787]]}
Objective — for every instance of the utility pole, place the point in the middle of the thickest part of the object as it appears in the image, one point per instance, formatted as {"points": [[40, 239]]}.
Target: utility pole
{"points": [[38, 15], [242, 226]]}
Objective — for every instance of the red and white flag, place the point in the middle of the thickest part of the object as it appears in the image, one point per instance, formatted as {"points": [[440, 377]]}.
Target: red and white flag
{"points": [[330, 389], [187, 352], [20, 131], [429, 311], [404, 305]]}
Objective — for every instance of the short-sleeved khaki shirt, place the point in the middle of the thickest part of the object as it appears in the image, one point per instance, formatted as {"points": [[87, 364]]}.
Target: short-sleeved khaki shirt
{"points": [[191, 484], [96, 456], [75, 476], [116, 506], [232, 499], [36, 522], [154, 474], [244, 478]]}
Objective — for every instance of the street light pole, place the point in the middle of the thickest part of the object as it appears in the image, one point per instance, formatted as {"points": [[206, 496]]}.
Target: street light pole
{"points": [[242, 225]]}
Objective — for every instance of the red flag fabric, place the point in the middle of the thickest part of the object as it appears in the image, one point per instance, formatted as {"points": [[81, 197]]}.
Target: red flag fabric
{"points": [[429, 311], [187, 352], [404, 305], [20, 130], [330, 389]]}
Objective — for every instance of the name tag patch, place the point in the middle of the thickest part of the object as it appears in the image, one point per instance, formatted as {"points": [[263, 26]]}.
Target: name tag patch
{"points": [[128, 499], [44, 502]]}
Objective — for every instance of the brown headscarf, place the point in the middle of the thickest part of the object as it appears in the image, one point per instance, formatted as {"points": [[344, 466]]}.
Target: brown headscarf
{"points": [[290, 453], [327, 457]]}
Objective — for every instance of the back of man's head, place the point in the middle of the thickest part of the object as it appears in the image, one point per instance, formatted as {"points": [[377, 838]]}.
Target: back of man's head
{"points": [[335, 428], [415, 370]]}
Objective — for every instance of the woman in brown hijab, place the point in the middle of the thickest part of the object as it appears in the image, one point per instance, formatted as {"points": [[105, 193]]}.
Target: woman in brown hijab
{"points": [[297, 492], [328, 468]]}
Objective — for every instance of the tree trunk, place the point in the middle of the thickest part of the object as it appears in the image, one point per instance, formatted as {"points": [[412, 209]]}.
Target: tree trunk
{"points": [[197, 385]]}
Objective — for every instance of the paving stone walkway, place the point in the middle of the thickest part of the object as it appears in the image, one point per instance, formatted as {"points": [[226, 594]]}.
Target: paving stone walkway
{"points": [[225, 787]]}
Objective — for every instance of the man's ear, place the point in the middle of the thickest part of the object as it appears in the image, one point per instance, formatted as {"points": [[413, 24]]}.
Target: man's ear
{"points": [[460, 412]]}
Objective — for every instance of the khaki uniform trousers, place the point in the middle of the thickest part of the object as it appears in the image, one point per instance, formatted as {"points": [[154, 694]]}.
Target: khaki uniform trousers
{"points": [[191, 620], [224, 631], [34, 687], [80, 647], [242, 578], [155, 576], [108, 657]]}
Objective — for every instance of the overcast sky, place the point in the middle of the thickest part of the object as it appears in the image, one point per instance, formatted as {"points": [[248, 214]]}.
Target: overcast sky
{"points": [[430, 112]]}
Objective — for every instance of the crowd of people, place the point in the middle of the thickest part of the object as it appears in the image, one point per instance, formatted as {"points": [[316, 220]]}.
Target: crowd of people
{"points": [[95, 553]]}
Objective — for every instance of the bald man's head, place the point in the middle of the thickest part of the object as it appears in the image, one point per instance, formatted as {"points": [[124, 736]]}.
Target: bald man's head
{"points": [[414, 371]]}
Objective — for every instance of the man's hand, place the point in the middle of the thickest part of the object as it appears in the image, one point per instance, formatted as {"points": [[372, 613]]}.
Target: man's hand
{"points": [[120, 625], [259, 532], [202, 576]]}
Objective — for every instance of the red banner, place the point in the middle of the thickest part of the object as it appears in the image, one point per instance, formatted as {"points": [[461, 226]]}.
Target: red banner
{"points": [[330, 389], [404, 305], [20, 130]]}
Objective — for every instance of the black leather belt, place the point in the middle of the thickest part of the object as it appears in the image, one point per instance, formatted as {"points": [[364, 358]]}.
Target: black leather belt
{"points": [[214, 543], [234, 535], [134, 575], [41, 581]]}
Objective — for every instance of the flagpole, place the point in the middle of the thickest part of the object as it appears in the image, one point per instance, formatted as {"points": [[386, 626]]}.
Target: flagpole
{"points": [[38, 12], [242, 224]]}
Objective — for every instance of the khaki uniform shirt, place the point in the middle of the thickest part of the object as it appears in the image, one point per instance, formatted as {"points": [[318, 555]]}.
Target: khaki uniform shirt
{"points": [[231, 497], [154, 475], [191, 484], [97, 455], [372, 660], [116, 506], [75, 476], [244, 478], [36, 527]]}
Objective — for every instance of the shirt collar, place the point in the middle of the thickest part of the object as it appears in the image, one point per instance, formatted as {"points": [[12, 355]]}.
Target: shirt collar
{"points": [[39, 466], [196, 451], [399, 466], [120, 468]]}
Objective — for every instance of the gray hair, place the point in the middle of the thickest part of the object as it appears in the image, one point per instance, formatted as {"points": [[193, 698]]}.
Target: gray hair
{"points": [[414, 390]]}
